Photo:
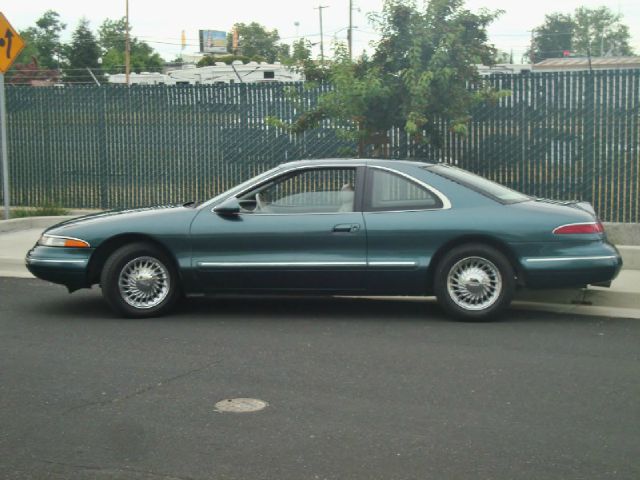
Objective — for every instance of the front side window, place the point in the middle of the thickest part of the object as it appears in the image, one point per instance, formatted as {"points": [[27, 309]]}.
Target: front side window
{"points": [[389, 191], [320, 190]]}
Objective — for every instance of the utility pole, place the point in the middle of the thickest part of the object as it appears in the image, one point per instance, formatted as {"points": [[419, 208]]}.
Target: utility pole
{"points": [[532, 47], [589, 51], [3, 148], [350, 31], [127, 51], [320, 8]]}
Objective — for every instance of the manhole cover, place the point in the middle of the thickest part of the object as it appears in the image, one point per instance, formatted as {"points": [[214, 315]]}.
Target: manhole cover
{"points": [[240, 405]]}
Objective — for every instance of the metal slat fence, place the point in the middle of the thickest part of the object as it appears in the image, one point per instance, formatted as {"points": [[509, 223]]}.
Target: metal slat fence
{"points": [[558, 135]]}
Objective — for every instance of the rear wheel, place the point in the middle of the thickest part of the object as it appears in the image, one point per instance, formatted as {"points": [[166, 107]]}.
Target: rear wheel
{"points": [[138, 280], [474, 282]]}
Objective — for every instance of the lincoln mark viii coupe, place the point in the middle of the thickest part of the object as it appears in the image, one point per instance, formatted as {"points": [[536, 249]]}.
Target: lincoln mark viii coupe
{"points": [[335, 227]]}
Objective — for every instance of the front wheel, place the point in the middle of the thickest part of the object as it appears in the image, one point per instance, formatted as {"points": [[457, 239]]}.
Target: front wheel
{"points": [[138, 280], [474, 282]]}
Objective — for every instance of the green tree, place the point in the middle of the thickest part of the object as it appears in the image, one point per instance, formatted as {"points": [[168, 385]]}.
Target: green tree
{"points": [[300, 51], [112, 40], [301, 60], [83, 52], [209, 60], [418, 76], [111, 34], [553, 38], [254, 40], [601, 31], [43, 41], [598, 32], [30, 51], [446, 42], [504, 57]]}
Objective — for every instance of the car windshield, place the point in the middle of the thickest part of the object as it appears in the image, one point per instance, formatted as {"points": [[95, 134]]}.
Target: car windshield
{"points": [[479, 184], [242, 185]]}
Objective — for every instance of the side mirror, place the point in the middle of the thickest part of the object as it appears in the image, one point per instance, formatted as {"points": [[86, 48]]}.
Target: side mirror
{"points": [[230, 206]]}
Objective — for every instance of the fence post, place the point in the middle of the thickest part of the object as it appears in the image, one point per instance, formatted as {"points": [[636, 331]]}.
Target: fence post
{"points": [[588, 160], [103, 168]]}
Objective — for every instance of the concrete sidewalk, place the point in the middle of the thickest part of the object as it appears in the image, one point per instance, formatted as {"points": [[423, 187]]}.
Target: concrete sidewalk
{"points": [[622, 299], [14, 246]]}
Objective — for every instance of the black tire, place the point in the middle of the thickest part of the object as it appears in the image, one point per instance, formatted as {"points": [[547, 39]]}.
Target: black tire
{"points": [[140, 254], [495, 296]]}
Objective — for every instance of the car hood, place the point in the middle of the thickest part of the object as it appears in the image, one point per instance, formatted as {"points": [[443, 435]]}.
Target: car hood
{"points": [[113, 216]]}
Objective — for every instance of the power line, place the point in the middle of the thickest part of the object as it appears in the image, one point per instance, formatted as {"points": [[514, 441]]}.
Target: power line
{"points": [[161, 41]]}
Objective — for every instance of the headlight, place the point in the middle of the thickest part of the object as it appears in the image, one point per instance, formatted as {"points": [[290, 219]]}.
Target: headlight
{"points": [[56, 241]]}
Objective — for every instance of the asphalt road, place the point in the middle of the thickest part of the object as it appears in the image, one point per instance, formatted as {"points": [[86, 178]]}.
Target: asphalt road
{"points": [[357, 389]]}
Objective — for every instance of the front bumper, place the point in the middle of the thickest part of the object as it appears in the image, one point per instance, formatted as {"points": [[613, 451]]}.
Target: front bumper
{"points": [[66, 266]]}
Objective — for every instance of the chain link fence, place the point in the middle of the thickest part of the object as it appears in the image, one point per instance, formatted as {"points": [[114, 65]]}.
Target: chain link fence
{"points": [[557, 135]]}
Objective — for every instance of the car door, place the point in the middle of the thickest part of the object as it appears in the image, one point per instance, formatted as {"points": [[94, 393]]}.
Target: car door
{"points": [[300, 231], [400, 215]]}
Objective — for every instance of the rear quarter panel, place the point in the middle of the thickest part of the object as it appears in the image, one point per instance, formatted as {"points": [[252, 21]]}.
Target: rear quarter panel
{"points": [[523, 229]]}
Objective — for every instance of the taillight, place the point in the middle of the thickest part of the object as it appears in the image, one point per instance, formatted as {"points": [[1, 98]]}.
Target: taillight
{"points": [[579, 228]]}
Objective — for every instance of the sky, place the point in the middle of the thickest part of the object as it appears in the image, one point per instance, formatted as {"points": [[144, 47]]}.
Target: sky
{"points": [[161, 25]]}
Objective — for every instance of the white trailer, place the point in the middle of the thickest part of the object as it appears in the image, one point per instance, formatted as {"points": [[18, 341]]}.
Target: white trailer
{"points": [[143, 78], [237, 72]]}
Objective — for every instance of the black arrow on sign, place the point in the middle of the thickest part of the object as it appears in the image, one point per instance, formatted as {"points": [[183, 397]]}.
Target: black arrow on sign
{"points": [[8, 35]]}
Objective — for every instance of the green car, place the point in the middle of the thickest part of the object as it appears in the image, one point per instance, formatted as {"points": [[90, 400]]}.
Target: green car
{"points": [[335, 227]]}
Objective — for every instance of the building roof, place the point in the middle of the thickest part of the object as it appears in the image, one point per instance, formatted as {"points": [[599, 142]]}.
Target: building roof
{"points": [[583, 62]]}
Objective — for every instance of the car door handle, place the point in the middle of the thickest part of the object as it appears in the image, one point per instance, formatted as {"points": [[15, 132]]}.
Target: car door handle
{"points": [[347, 227]]}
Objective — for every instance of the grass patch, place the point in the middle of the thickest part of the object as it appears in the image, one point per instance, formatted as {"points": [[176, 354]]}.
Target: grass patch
{"points": [[47, 210]]}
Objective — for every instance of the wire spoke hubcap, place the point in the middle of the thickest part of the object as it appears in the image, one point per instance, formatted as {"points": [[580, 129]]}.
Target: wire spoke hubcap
{"points": [[474, 283], [144, 282]]}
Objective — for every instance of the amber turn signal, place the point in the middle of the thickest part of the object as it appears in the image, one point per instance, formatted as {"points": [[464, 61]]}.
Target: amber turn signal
{"points": [[75, 243]]}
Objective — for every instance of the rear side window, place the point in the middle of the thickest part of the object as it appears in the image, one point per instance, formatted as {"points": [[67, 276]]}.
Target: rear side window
{"points": [[479, 184], [387, 191]]}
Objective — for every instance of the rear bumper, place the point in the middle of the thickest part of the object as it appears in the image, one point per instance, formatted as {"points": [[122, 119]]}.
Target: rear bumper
{"points": [[569, 270], [66, 266]]}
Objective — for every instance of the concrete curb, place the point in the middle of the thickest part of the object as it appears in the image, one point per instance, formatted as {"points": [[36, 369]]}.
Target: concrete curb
{"points": [[584, 297], [589, 310], [630, 256]]}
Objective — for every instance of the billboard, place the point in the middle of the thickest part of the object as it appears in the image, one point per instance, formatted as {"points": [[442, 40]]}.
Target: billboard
{"points": [[213, 41]]}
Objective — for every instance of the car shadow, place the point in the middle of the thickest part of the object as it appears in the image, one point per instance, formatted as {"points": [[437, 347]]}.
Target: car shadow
{"points": [[89, 305], [306, 308]]}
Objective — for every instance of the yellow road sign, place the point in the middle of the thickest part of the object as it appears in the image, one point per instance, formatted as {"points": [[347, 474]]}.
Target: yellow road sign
{"points": [[10, 44]]}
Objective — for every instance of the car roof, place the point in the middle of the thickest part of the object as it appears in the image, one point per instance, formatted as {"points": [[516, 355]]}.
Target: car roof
{"points": [[351, 161]]}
